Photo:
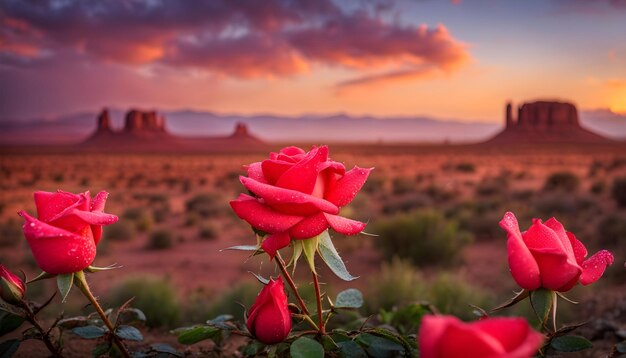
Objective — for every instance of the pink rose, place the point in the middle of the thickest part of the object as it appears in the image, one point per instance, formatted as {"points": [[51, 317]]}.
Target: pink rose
{"points": [[64, 237], [547, 256], [12, 288], [448, 337], [297, 195], [269, 319]]}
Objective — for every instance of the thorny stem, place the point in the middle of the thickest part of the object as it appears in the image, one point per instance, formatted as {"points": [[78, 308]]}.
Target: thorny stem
{"points": [[45, 335], [281, 265], [84, 288], [307, 318], [318, 296]]}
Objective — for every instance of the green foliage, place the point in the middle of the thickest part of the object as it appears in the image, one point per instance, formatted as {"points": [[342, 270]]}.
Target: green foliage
{"points": [[452, 294], [570, 344], [161, 239], [230, 301], [305, 347], [566, 181], [141, 217], [423, 237], [619, 191], [399, 277], [154, 296], [121, 231]]}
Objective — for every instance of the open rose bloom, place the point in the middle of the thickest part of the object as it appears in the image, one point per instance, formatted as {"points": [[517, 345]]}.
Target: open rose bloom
{"points": [[63, 238], [547, 256], [448, 337], [297, 195]]}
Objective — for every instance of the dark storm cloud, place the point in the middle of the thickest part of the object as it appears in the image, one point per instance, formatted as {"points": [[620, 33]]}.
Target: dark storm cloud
{"points": [[237, 38]]}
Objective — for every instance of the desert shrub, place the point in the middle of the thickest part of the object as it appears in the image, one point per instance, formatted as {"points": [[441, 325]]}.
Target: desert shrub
{"points": [[465, 167], [402, 185], [619, 191], [423, 237], [10, 232], [612, 231], [140, 217], [204, 205], [397, 276], [566, 181], [374, 184], [121, 231], [161, 240], [560, 204], [207, 232], [483, 226], [598, 187], [451, 294], [156, 297], [230, 301], [439, 194], [406, 203]]}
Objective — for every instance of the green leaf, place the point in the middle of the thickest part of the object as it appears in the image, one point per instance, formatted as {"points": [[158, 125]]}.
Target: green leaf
{"points": [[9, 322], [89, 332], [100, 350], [332, 259], [220, 321], [350, 298], [519, 296], [129, 315], [129, 333], [542, 301], [93, 269], [41, 276], [297, 252], [304, 347], [350, 349], [65, 284], [260, 278], [8, 348], [196, 334], [570, 343], [378, 346], [242, 248], [72, 322], [309, 246], [165, 348], [253, 348]]}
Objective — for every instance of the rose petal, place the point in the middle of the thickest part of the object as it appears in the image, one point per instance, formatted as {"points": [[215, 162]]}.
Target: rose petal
{"points": [[344, 225], [303, 175], [523, 266], [262, 217], [273, 169], [580, 251], [345, 189], [50, 205], [291, 151], [559, 230], [275, 242], [594, 267], [430, 332], [291, 201], [468, 342], [309, 227], [58, 251], [97, 205], [515, 335]]}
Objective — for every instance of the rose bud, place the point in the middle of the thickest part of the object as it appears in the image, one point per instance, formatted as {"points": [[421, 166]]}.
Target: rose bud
{"points": [[548, 256], [297, 195], [69, 226], [448, 337], [12, 288], [269, 319]]}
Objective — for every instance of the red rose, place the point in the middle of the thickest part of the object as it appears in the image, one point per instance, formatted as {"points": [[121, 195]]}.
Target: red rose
{"points": [[297, 195], [269, 319], [548, 256], [12, 288], [64, 238], [448, 337]]}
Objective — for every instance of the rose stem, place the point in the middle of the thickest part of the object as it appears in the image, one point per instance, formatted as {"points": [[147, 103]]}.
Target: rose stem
{"points": [[84, 288], [281, 265], [318, 296], [45, 335]]}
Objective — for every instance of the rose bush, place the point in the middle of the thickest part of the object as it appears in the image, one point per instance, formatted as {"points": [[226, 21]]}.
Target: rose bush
{"points": [[12, 288], [63, 238], [297, 195], [448, 337], [269, 319], [547, 256]]}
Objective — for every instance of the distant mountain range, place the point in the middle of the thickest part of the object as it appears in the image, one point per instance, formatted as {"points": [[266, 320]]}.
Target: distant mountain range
{"points": [[306, 128]]}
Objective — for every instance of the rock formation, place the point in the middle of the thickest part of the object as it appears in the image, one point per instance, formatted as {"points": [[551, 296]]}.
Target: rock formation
{"points": [[544, 122], [145, 131]]}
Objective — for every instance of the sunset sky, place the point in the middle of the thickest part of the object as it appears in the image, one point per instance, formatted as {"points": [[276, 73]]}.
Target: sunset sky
{"points": [[445, 59]]}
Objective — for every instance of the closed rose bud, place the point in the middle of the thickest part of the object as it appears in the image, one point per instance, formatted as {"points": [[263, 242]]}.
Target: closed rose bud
{"points": [[63, 238], [297, 195], [12, 288], [548, 256], [448, 337], [269, 319]]}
